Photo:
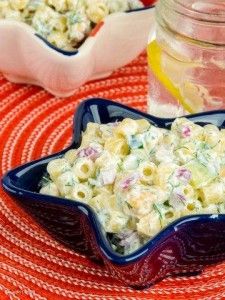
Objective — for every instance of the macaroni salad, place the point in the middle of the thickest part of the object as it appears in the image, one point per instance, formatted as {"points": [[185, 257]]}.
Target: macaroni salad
{"points": [[64, 23], [138, 178]]}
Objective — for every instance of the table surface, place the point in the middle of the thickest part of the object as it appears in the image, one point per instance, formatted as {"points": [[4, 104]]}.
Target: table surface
{"points": [[33, 265]]}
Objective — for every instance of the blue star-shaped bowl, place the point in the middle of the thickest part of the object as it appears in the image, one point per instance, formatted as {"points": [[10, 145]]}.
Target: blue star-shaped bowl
{"points": [[185, 246]]}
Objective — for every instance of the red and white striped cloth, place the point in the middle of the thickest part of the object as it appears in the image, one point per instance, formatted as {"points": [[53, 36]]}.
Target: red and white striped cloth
{"points": [[32, 264]]}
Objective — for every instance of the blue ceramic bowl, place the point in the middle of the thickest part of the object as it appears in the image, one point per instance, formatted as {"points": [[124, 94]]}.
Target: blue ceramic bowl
{"points": [[185, 246]]}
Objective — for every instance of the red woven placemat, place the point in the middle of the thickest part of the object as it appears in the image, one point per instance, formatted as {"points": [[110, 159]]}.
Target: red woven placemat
{"points": [[33, 265]]}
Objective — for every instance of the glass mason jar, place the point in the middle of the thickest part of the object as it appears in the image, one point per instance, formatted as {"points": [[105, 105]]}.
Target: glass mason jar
{"points": [[186, 58]]}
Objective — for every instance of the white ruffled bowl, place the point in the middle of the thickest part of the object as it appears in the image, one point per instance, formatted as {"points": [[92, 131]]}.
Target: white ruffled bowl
{"points": [[26, 58]]}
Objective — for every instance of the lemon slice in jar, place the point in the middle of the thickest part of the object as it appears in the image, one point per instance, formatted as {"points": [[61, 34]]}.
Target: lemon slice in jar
{"points": [[154, 61]]}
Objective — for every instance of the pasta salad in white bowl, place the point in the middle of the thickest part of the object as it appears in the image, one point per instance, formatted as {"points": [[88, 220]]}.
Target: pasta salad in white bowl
{"points": [[60, 45]]}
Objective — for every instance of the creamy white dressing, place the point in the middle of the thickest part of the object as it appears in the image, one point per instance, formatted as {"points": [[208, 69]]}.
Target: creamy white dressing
{"points": [[136, 180]]}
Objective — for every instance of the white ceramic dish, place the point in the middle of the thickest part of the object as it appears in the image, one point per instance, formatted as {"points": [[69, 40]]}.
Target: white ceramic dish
{"points": [[26, 58]]}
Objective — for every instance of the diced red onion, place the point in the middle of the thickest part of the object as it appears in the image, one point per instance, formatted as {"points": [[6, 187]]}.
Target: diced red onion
{"points": [[186, 131], [108, 176], [129, 181], [184, 175], [177, 200], [180, 197], [88, 152]]}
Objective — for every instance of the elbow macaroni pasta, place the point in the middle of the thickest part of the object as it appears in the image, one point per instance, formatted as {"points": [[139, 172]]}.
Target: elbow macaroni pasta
{"points": [[83, 168], [139, 178], [64, 23]]}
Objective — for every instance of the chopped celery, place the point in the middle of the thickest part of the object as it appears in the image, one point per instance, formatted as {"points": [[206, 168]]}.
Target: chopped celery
{"points": [[201, 174]]}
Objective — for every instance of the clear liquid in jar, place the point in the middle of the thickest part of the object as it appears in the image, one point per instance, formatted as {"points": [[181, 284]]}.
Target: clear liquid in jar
{"points": [[178, 86]]}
